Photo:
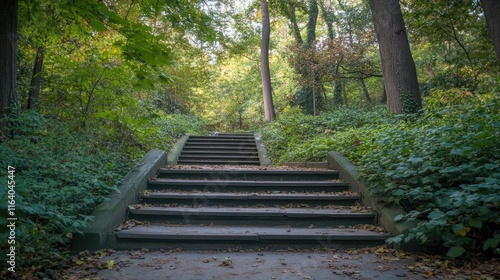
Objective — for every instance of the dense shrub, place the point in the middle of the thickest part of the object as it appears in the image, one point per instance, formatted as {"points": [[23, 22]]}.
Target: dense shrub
{"points": [[444, 170], [63, 171], [296, 136], [146, 128], [442, 166]]}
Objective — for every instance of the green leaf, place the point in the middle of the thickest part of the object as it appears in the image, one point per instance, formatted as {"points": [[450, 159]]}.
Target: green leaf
{"points": [[491, 243], [457, 228], [436, 214], [399, 218], [456, 251], [475, 223]]}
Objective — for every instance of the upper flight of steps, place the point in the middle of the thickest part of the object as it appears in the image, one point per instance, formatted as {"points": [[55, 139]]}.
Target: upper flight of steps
{"points": [[220, 149], [245, 207]]}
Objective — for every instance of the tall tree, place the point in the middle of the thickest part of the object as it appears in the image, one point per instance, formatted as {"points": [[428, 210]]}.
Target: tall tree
{"points": [[398, 67], [311, 23], [290, 12], [491, 10], [8, 54], [264, 63], [308, 96], [36, 78]]}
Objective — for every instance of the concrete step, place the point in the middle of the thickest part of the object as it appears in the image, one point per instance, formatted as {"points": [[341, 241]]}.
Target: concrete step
{"points": [[274, 216], [226, 135], [220, 140], [218, 162], [262, 174], [249, 186], [217, 148], [216, 144], [232, 156], [221, 153], [248, 199], [222, 237]]}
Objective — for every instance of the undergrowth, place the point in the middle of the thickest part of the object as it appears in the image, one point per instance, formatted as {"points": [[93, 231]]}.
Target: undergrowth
{"points": [[63, 171], [443, 166]]}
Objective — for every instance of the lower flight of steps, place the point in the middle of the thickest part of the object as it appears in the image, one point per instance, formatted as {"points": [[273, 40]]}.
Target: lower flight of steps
{"points": [[221, 148], [245, 207]]}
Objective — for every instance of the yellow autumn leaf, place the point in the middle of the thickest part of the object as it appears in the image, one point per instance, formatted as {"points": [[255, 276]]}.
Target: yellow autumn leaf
{"points": [[463, 231], [111, 264], [445, 264]]}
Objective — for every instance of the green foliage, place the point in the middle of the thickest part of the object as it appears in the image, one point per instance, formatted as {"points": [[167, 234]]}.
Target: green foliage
{"points": [[444, 171], [442, 167], [63, 170], [295, 136], [60, 177], [309, 99]]}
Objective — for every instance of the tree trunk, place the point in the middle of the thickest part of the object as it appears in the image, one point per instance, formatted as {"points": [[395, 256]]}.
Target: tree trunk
{"points": [[240, 120], [491, 10], [311, 23], [328, 17], [293, 21], [344, 94], [384, 95], [8, 55], [337, 92], [430, 72], [264, 64], [365, 90], [398, 67], [36, 78]]}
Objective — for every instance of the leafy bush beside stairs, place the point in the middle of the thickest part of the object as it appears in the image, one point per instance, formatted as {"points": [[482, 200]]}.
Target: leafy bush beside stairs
{"points": [[443, 167], [64, 171]]}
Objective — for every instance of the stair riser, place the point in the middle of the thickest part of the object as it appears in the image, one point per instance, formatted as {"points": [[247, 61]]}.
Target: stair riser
{"points": [[231, 189], [220, 153], [240, 175], [189, 219], [244, 202], [223, 157], [234, 245], [217, 162], [219, 148], [219, 140], [215, 144], [264, 185]]}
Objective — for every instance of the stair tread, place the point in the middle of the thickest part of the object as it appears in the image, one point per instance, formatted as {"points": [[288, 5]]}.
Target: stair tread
{"points": [[219, 148], [233, 211], [219, 152], [250, 171], [221, 138], [246, 136], [227, 156], [218, 162], [226, 233], [165, 181], [240, 196], [221, 143]]}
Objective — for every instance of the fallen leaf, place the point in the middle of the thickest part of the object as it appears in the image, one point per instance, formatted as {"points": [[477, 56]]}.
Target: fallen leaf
{"points": [[111, 264]]}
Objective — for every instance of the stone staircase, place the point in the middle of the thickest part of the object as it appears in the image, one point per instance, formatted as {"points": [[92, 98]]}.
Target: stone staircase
{"points": [[202, 204], [226, 149]]}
